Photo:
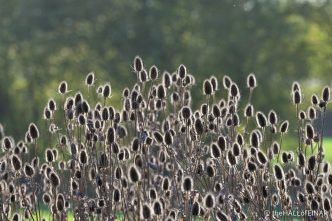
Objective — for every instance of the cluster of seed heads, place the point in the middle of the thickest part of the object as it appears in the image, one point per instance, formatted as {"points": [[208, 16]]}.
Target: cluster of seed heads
{"points": [[158, 159]]}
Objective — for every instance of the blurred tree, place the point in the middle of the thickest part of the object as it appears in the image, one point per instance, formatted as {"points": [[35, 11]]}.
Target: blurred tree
{"points": [[44, 42]]}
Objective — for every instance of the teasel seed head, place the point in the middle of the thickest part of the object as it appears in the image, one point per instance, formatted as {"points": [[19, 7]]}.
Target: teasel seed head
{"points": [[314, 100], [227, 81], [278, 172], [311, 162], [221, 216], [16, 162], [215, 150], [261, 119], [133, 174], [231, 159], [54, 178], [90, 79], [222, 143], [309, 131], [107, 90], [157, 208], [251, 81], [138, 64], [63, 87], [327, 204], [309, 187], [60, 202], [273, 117], [146, 212], [284, 127], [254, 139], [302, 115], [187, 184], [28, 170], [207, 87], [234, 91], [209, 201], [153, 73], [326, 94], [296, 86], [182, 71], [312, 113], [297, 97], [33, 131], [83, 157]]}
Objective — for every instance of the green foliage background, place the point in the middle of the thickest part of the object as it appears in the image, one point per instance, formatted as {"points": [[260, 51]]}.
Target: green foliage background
{"points": [[44, 42]]}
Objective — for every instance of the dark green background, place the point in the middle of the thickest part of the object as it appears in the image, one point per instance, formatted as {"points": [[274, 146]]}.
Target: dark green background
{"points": [[44, 42]]}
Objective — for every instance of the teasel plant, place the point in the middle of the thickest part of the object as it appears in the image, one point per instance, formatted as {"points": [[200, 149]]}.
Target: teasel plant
{"points": [[158, 158]]}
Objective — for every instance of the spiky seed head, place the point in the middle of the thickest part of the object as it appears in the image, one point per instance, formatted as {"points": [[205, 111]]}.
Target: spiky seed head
{"points": [[312, 113], [297, 97], [327, 204], [199, 127], [54, 178], [60, 202], [16, 162], [296, 86], [309, 187], [157, 208], [28, 170], [221, 216], [209, 201], [284, 127], [116, 195], [309, 131], [231, 159], [234, 90], [207, 87], [153, 73], [314, 100], [273, 117], [187, 184], [90, 79], [210, 171], [278, 172], [249, 110], [251, 81], [167, 80], [49, 155], [227, 81], [107, 90], [133, 174], [302, 115], [63, 87], [261, 157], [182, 71], [7, 143], [222, 143], [143, 76], [254, 139], [138, 64], [215, 150], [83, 157], [186, 112], [261, 120], [204, 109], [311, 162], [47, 198], [161, 91], [326, 94], [146, 212], [33, 131]]}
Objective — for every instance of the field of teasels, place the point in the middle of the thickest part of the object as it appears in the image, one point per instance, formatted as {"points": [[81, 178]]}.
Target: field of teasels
{"points": [[159, 159]]}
